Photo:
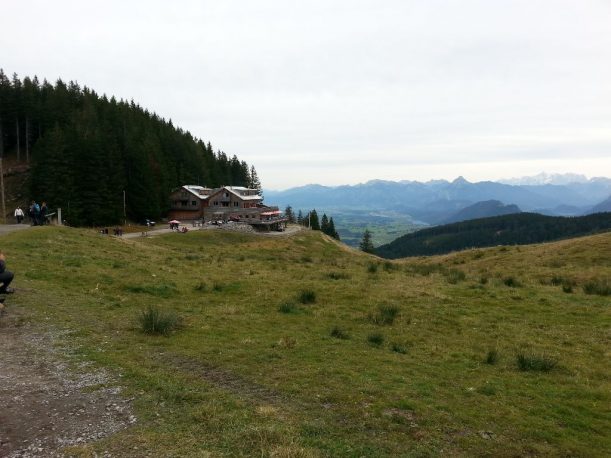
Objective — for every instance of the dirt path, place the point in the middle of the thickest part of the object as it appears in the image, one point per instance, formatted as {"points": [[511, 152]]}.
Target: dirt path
{"points": [[48, 402]]}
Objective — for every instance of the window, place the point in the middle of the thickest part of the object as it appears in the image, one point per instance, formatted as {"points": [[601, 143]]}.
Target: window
{"points": [[226, 194], [215, 203], [193, 202], [236, 204]]}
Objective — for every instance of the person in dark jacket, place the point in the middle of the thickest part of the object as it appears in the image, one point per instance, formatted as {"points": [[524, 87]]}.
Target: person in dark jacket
{"points": [[6, 277]]}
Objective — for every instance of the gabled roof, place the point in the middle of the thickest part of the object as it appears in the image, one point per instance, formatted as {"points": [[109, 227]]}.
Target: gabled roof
{"points": [[198, 191], [239, 191]]}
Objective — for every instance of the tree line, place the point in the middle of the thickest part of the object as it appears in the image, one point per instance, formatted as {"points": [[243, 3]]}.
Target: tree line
{"points": [[87, 152], [310, 219]]}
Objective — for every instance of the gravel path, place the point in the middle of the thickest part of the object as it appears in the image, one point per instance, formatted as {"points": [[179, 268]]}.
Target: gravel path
{"points": [[48, 402]]}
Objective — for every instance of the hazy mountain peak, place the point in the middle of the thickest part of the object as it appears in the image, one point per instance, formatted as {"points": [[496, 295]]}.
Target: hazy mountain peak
{"points": [[546, 178], [460, 180]]}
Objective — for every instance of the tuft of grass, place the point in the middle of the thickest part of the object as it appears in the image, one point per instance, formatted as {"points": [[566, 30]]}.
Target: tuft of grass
{"points": [[557, 280], [338, 276], [567, 288], [483, 280], [535, 363], [492, 357], [307, 296], [154, 321], [512, 282], [160, 290], [202, 287], [287, 307], [306, 259], [390, 266], [599, 287], [398, 348], [376, 338], [339, 333], [426, 269], [454, 276], [385, 315], [192, 257], [372, 267]]}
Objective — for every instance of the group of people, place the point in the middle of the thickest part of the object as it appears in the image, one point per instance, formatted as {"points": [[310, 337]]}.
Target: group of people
{"points": [[37, 214]]}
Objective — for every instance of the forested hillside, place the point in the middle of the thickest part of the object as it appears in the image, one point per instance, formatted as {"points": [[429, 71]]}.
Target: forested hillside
{"points": [[515, 229], [85, 150]]}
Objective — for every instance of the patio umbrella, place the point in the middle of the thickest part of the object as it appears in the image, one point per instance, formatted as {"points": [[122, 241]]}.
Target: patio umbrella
{"points": [[174, 221]]}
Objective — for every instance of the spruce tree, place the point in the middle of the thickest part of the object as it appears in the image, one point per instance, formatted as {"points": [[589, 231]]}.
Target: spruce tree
{"points": [[300, 218], [255, 183], [366, 244], [289, 214], [324, 224], [331, 230], [313, 221]]}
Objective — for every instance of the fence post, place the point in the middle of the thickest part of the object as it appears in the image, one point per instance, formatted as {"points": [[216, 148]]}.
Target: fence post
{"points": [[59, 217]]}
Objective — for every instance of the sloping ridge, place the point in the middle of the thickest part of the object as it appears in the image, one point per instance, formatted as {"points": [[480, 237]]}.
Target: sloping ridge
{"points": [[515, 229]]}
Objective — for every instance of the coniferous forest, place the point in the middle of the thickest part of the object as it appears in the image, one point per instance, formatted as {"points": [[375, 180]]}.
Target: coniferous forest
{"points": [[85, 150]]}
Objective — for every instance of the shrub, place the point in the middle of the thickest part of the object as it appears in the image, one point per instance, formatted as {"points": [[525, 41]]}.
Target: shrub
{"points": [[287, 307], [376, 338], [599, 287], [307, 296], [535, 363], [157, 322], [386, 315], [372, 267], [454, 276], [511, 282], [339, 333], [398, 348], [492, 357]]}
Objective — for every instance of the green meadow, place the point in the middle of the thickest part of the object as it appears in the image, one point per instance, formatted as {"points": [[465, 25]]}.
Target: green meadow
{"points": [[301, 347]]}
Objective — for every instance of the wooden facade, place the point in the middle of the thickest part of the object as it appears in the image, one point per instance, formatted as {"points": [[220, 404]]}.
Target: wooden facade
{"points": [[227, 203]]}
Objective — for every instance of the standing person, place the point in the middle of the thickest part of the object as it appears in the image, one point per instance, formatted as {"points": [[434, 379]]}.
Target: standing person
{"points": [[6, 277], [35, 213], [19, 215], [43, 214]]}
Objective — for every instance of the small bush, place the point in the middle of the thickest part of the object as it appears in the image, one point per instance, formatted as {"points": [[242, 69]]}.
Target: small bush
{"points": [[511, 282], [287, 307], [338, 276], [339, 333], [535, 363], [376, 339], [372, 267], [157, 322], [398, 348], [454, 276], [386, 315], [492, 357], [307, 296], [599, 287]]}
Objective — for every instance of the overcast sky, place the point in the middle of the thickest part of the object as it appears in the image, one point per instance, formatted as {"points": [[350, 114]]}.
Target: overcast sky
{"points": [[340, 92]]}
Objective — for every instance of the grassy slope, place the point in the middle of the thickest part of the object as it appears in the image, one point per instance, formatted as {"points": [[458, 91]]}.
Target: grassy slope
{"points": [[244, 379]]}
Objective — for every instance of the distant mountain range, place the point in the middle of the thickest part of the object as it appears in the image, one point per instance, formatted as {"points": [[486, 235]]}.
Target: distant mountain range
{"points": [[435, 201], [441, 201]]}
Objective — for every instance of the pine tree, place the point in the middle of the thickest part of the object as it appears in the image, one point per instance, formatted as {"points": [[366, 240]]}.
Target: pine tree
{"points": [[300, 218], [366, 244], [324, 224], [289, 214], [331, 230], [313, 221], [255, 183]]}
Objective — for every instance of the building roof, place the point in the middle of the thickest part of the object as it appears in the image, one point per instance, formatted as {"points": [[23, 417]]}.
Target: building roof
{"points": [[199, 191]]}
